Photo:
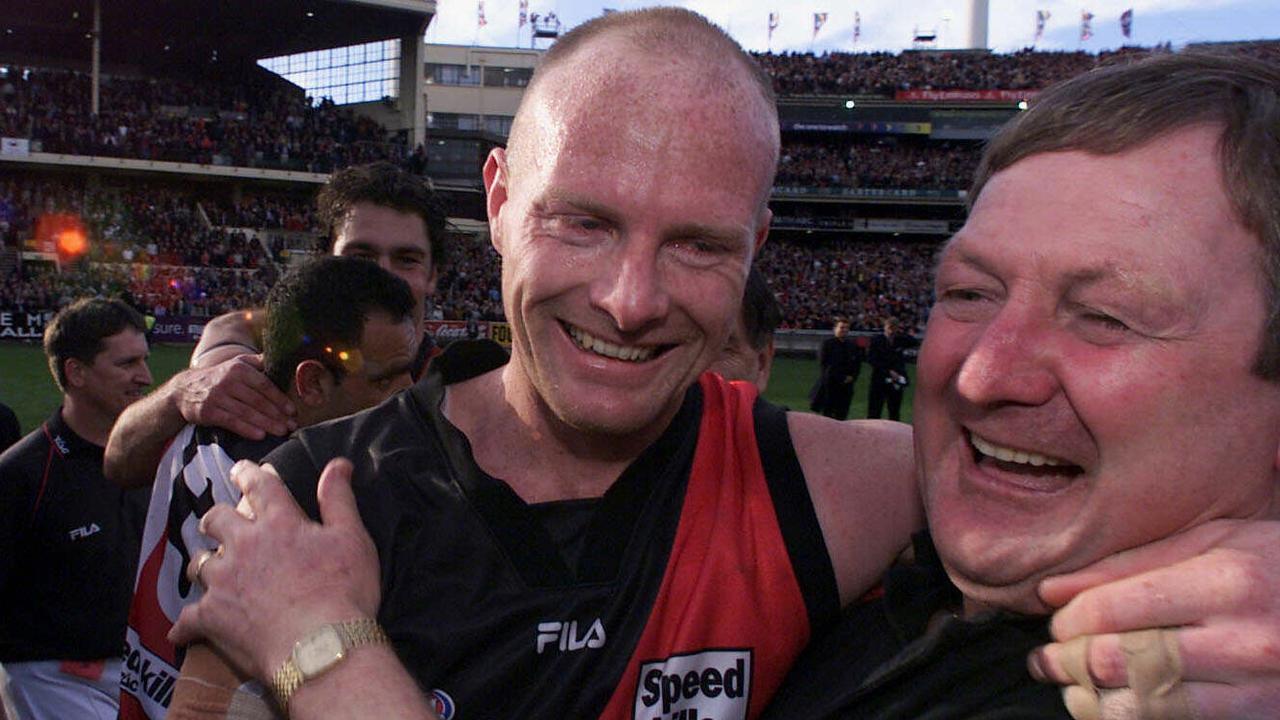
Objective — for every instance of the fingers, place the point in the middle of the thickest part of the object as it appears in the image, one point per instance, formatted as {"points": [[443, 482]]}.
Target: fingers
{"points": [[263, 491], [1057, 591], [189, 627], [220, 523], [238, 396], [335, 497], [196, 567], [1217, 655], [1185, 593]]}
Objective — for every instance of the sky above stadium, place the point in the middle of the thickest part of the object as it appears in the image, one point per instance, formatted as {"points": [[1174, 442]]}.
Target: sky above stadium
{"points": [[891, 24]]}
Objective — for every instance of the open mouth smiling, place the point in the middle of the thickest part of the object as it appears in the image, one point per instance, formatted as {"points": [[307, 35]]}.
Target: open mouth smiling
{"points": [[626, 353], [1020, 461]]}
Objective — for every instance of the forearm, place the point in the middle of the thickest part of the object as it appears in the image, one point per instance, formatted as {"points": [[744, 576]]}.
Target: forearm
{"points": [[371, 683], [226, 336], [140, 436]]}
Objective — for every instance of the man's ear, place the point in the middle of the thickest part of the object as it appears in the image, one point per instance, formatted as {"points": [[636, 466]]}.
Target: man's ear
{"points": [[762, 229], [496, 179], [75, 372], [313, 382], [765, 356]]}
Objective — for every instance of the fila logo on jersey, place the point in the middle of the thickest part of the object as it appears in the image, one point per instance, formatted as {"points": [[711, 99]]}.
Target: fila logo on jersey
{"points": [[708, 685], [84, 532], [565, 636]]}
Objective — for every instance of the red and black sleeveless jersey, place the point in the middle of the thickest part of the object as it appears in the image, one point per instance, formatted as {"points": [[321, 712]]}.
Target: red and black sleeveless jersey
{"points": [[700, 576]]}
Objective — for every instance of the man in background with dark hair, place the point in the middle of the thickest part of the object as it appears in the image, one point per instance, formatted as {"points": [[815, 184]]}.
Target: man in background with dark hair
{"points": [[338, 337], [839, 362], [69, 538], [375, 211], [888, 362], [748, 354]]}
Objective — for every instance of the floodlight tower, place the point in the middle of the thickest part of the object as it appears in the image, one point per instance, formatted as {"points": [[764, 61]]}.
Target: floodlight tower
{"points": [[978, 13]]}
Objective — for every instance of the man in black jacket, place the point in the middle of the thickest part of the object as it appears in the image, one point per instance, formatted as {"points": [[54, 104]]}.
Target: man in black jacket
{"points": [[839, 361]]}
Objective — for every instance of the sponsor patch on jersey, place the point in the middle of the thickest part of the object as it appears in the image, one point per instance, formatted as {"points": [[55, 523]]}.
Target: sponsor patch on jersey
{"points": [[707, 685], [146, 676], [442, 704]]}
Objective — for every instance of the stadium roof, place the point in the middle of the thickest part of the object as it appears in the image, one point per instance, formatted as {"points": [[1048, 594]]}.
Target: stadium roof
{"points": [[189, 34]]}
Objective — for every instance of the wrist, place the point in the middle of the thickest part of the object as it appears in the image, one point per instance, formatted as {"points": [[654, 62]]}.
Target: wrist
{"points": [[321, 650]]}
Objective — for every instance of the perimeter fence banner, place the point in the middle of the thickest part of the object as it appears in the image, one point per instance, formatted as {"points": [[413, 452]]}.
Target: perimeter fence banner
{"points": [[446, 331], [22, 324]]}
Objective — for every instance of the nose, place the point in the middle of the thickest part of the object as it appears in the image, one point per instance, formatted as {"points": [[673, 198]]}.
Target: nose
{"points": [[1011, 361], [632, 289], [144, 375]]}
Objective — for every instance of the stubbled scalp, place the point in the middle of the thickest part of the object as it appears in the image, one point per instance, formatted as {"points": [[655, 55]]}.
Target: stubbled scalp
{"points": [[608, 59]]}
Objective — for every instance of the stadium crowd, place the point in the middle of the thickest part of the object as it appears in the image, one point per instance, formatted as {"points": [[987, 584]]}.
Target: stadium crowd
{"points": [[881, 73], [861, 162], [176, 253], [254, 124], [864, 282]]}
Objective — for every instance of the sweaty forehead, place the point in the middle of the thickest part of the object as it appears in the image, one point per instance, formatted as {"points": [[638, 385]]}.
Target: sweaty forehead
{"points": [[610, 94]]}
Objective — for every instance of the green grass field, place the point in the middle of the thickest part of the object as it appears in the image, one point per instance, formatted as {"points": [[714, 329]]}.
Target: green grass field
{"points": [[26, 386]]}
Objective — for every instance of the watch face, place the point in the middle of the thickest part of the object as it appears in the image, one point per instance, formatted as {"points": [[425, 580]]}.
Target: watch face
{"points": [[318, 652]]}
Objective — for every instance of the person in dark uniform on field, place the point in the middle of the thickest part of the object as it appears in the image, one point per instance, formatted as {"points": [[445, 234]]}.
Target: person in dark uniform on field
{"points": [[10, 430], [888, 362], [596, 528], [339, 337], [68, 537], [376, 211], [839, 362]]}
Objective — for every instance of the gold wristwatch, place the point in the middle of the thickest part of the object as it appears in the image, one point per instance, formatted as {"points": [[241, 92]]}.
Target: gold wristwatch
{"points": [[320, 651]]}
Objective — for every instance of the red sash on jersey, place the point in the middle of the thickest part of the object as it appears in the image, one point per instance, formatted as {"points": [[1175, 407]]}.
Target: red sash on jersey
{"points": [[729, 618]]}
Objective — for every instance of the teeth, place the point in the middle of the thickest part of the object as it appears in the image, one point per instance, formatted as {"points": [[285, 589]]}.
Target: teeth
{"points": [[617, 352], [1013, 456]]}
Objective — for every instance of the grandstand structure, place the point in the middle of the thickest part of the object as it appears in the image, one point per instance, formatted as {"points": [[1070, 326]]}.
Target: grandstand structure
{"points": [[166, 149]]}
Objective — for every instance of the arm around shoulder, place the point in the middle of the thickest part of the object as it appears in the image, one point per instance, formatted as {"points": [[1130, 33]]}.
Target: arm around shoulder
{"points": [[861, 476], [224, 337]]}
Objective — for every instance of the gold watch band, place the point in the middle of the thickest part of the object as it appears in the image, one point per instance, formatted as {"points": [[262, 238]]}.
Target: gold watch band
{"points": [[353, 633]]}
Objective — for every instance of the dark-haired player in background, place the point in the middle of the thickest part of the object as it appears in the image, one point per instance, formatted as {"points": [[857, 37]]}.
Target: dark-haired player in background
{"points": [[376, 211], [69, 538], [748, 353], [339, 336]]}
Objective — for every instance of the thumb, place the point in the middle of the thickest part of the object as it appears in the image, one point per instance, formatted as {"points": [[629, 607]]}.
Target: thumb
{"points": [[253, 361], [335, 497]]}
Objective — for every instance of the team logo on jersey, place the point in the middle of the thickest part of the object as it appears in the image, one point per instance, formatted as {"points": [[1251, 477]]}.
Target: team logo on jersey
{"points": [[564, 635], [707, 685], [442, 704]]}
